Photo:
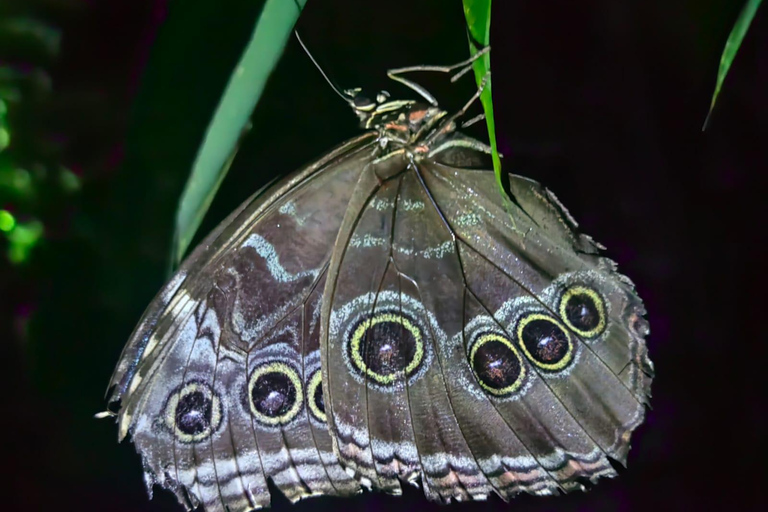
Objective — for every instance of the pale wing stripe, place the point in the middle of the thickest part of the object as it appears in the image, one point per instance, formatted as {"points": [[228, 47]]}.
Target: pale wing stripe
{"points": [[267, 251]]}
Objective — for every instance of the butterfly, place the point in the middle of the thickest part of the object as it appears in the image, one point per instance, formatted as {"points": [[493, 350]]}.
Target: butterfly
{"points": [[382, 316]]}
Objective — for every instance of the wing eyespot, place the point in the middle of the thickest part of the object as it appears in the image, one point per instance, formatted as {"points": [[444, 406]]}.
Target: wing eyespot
{"points": [[386, 338], [275, 394], [385, 346], [497, 364], [193, 412], [315, 399], [544, 341], [583, 310]]}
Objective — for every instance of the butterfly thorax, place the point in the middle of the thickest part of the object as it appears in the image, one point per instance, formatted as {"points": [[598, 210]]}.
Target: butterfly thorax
{"points": [[403, 124]]}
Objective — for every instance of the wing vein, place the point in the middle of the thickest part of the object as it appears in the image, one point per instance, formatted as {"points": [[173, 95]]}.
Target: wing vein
{"points": [[455, 238]]}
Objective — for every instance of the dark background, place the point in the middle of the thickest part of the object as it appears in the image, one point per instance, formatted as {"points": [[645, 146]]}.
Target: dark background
{"points": [[600, 100]]}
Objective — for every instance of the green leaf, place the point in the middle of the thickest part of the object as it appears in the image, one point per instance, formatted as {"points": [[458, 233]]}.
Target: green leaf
{"points": [[478, 16], [731, 47], [229, 122]]}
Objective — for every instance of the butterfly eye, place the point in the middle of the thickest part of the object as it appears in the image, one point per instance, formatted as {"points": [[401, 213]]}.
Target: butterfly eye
{"points": [[275, 394], [315, 399], [386, 345], [497, 364], [363, 103], [193, 412], [583, 310], [544, 341]]}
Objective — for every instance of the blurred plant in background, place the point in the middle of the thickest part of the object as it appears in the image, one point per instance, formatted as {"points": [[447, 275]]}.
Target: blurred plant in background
{"points": [[32, 177]]}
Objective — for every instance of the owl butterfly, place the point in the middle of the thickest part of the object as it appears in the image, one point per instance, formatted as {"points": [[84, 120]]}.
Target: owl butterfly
{"points": [[382, 316]]}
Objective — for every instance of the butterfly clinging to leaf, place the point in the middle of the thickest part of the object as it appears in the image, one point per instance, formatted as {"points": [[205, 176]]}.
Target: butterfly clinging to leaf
{"points": [[380, 317]]}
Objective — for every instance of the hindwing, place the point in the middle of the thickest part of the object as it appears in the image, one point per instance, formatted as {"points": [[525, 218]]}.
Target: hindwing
{"points": [[482, 349]]}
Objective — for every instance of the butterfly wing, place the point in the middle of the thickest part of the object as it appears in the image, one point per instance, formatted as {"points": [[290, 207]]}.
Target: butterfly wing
{"points": [[481, 353], [217, 384]]}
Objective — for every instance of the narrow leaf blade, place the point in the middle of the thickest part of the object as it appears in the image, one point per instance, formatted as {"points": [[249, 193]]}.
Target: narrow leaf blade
{"points": [[229, 122], [478, 16], [731, 48]]}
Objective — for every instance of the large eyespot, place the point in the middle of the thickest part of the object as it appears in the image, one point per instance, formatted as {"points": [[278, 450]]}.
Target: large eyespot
{"points": [[583, 310], [545, 342], [497, 364], [384, 338], [275, 393], [315, 399], [385, 345], [193, 412]]}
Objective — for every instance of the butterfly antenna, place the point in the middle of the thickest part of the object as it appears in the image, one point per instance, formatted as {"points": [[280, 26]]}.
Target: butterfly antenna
{"points": [[344, 96]]}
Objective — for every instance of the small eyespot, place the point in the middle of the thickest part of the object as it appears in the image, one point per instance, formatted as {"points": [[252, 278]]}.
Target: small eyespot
{"points": [[275, 393], [583, 310], [315, 399], [544, 341], [193, 412], [497, 364], [386, 345]]}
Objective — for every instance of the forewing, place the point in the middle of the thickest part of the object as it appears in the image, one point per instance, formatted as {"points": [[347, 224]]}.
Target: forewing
{"points": [[213, 382]]}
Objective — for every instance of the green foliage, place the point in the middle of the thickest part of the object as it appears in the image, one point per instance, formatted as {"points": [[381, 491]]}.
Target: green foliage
{"points": [[15, 183], [7, 221], [229, 122], [731, 48], [22, 238], [27, 46], [478, 15]]}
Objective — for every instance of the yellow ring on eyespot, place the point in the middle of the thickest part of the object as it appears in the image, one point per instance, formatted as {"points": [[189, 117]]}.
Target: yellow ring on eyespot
{"points": [[315, 382], [599, 304], [357, 338], [173, 403], [562, 363], [293, 376], [486, 338]]}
